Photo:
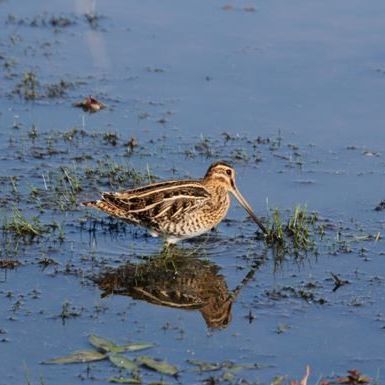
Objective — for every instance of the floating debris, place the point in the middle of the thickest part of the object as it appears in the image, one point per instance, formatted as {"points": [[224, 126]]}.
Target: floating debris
{"points": [[28, 87], [371, 153], [45, 262], [130, 145], [90, 104], [203, 366], [43, 20], [338, 282], [282, 328], [228, 366], [78, 357], [68, 311], [123, 362], [354, 377], [380, 206], [125, 380], [109, 347], [111, 138], [104, 344], [9, 264], [57, 90], [157, 365], [93, 19]]}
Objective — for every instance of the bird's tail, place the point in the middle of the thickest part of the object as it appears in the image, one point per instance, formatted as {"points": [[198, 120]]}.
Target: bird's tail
{"points": [[89, 204], [106, 207]]}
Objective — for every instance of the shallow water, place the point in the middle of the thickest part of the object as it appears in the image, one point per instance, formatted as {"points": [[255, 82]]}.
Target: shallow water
{"points": [[298, 90]]}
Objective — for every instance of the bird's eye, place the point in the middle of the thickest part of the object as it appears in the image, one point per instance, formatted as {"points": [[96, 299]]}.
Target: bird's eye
{"points": [[228, 172]]}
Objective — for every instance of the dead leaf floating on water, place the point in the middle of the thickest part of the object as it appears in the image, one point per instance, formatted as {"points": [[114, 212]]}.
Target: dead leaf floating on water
{"points": [[159, 366], [123, 362], [77, 357], [134, 347], [102, 343], [9, 264], [90, 104], [278, 380], [354, 377], [124, 380], [109, 347], [203, 366]]}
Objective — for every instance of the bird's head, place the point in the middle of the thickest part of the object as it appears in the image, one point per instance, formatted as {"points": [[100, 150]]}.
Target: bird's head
{"points": [[223, 174]]}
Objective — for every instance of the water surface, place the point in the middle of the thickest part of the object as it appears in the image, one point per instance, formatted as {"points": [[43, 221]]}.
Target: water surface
{"points": [[298, 89]]}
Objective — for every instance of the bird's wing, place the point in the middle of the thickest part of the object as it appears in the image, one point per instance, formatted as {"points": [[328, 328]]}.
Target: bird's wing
{"points": [[153, 202]]}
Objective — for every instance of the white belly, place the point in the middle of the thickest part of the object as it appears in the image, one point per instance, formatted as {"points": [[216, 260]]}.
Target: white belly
{"points": [[172, 239]]}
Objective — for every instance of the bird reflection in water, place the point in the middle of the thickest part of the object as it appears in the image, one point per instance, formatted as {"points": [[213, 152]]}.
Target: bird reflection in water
{"points": [[178, 281]]}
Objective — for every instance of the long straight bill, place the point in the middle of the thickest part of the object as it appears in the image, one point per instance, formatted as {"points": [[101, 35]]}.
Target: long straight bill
{"points": [[248, 208]]}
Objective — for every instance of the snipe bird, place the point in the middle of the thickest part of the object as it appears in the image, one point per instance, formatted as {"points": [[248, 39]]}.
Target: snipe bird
{"points": [[178, 210]]}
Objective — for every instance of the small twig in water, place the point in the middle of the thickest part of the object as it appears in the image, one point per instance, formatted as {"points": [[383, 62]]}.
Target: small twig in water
{"points": [[338, 282]]}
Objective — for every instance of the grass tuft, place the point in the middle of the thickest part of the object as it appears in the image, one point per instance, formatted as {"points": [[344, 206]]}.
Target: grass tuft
{"points": [[21, 227], [296, 236], [27, 88]]}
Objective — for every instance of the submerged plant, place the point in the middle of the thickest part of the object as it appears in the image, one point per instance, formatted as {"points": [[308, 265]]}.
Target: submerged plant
{"points": [[204, 147], [57, 90], [111, 138], [28, 86]]}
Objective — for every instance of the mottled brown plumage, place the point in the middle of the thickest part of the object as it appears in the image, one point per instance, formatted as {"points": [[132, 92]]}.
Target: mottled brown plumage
{"points": [[177, 209]]}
